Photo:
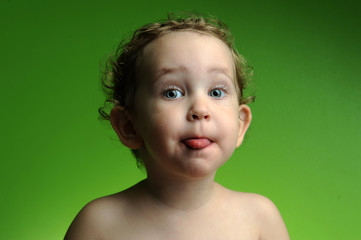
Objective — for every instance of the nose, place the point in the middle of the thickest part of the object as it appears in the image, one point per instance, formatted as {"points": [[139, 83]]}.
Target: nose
{"points": [[198, 110]]}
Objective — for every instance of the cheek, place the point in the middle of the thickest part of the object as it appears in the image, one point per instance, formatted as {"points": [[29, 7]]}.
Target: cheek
{"points": [[231, 126], [156, 122]]}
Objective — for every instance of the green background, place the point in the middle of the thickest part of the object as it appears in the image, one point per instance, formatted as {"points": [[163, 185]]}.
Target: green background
{"points": [[302, 151]]}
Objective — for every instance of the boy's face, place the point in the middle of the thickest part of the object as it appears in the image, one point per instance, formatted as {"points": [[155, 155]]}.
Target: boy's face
{"points": [[186, 106]]}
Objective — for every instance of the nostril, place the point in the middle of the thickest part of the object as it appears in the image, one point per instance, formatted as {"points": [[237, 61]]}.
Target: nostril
{"points": [[199, 116]]}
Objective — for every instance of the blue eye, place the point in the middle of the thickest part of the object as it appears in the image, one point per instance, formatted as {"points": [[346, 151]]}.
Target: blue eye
{"points": [[172, 94], [217, 93]]}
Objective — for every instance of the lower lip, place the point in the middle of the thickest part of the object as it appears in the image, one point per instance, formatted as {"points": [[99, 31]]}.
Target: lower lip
{"points": [[197, 143]]}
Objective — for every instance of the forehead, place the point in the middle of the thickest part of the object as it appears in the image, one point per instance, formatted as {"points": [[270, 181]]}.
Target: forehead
{"points": [[187, 49]]}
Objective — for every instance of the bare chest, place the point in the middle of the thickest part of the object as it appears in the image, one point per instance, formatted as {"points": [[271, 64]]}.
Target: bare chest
{"points": [[208, 227]]}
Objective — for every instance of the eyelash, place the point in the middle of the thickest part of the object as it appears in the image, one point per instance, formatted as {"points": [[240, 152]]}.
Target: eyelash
{"points": [[220, 93], [180, 93], [172, 88], [224, 89]]}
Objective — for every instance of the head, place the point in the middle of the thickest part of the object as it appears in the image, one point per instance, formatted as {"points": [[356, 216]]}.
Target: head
{"points": [[122, 74]]}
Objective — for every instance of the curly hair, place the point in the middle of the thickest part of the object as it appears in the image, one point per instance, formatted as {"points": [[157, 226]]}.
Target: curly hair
{"points": [[118, 77]]}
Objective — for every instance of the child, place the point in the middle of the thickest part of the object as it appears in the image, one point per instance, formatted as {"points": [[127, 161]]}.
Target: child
{"points": [[177, 89]]}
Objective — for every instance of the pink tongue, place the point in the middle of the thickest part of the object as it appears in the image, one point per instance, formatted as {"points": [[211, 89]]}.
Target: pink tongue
{"points": [[197, 142]]}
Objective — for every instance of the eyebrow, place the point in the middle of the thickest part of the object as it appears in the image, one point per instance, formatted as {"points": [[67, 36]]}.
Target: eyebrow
{"points": [[169, 70], [221, 70]]}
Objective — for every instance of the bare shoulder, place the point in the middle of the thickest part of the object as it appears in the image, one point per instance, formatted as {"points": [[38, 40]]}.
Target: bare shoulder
{"points": [[104, 218], [95, 218], [263, 212], [258, 204]]}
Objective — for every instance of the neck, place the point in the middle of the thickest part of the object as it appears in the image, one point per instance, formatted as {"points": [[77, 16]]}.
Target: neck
{"points": [[181, 194]]}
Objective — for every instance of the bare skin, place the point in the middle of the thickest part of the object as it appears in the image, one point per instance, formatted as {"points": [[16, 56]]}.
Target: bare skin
{"points": [[217, 213], [186, 123]]}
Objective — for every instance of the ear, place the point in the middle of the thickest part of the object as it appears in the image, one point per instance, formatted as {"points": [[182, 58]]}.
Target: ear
{"points": [[244, 118], [123, 124]]}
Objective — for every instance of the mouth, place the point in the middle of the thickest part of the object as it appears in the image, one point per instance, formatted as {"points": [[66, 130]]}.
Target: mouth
{"points": [[197, 143]]}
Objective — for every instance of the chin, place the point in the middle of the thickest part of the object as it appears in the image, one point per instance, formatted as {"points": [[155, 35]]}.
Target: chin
{"points": [[199, 168]]}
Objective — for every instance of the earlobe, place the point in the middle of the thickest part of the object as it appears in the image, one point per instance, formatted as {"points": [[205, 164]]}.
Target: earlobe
{"points": [[123, 125], [244, 118]]}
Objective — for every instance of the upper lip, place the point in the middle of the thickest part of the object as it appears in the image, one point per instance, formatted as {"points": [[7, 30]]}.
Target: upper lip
{"points": [[197, 137]]}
